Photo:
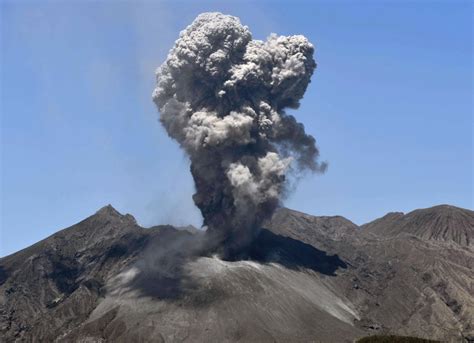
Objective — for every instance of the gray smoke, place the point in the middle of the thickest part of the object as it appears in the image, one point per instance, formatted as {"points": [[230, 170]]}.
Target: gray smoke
{"points": [[223, 96]]}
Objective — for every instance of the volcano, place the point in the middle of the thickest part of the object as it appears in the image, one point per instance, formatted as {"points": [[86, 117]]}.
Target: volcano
{"points": [[305, 278]]}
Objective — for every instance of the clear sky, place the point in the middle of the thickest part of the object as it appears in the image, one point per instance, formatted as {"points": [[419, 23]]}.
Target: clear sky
{"points": [[390, 106]]}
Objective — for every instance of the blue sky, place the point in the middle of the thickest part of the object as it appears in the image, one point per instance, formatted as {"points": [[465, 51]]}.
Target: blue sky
{"points": [[390, 106]]}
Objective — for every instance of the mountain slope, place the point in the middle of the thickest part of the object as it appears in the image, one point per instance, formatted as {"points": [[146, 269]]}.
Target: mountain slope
{"points": [[106, 277], [399, 284], [441, 223], [56, 283], [307, 279]]}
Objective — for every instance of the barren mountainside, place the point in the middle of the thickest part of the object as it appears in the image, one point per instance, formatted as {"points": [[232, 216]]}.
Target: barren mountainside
{"points": [[106, 279], [442, 223]]}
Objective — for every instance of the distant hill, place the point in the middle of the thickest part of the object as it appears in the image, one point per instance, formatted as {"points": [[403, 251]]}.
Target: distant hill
{"points": [[307, 278], [441, 223]]}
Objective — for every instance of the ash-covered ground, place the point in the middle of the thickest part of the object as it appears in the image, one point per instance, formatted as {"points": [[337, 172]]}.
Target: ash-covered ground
{"points": [[306, 278]]}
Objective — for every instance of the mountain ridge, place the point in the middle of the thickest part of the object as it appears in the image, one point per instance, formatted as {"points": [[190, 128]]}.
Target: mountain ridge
{"points": [[444, 223], [105, 278]]}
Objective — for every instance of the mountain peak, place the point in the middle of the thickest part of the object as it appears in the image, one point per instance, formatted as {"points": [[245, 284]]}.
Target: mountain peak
{"points": [[441, 223], [443, 209], [105, 272], [108, 210]]}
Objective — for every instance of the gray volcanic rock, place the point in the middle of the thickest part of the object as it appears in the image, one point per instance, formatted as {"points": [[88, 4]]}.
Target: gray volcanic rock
{"points": [[400, 284], [441, 223], [306, 278], [55, 284], [300, 224], [106, 278]]}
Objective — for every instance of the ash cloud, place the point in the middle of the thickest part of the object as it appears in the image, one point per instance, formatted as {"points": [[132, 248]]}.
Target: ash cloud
{"points": [[223, 96]]}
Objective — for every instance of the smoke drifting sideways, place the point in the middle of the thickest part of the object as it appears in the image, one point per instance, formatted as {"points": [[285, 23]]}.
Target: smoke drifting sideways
{"points": [[223, 96]]}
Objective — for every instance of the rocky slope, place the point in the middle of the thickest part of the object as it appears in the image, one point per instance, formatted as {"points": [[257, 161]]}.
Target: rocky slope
{"points": [[307, 279], [441, 223]]}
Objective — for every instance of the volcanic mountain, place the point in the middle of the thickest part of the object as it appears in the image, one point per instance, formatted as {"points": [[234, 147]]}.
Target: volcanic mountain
{"points": [[441, 223], [306, 278]]}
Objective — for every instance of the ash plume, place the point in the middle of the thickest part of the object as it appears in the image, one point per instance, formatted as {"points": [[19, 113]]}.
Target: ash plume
{"points": [[222, 96]]}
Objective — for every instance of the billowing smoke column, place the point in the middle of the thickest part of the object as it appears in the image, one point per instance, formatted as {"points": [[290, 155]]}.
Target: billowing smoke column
{"points": [[222, 96]]}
